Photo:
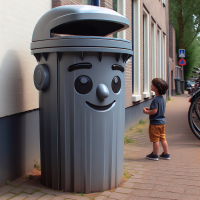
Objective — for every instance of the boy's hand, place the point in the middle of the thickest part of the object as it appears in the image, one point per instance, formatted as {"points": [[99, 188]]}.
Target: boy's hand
{"points": [[145, 109]]}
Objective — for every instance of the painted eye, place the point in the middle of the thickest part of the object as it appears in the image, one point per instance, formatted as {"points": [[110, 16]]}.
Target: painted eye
{"points": [[116, 84], [83, 84]]}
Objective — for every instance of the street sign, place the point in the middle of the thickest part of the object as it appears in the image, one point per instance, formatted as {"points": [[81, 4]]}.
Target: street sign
{"points": [[182, 62], [181, 53]]}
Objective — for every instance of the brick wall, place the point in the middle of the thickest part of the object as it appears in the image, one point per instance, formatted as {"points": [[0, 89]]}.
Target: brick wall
{"points": [[56, 3]]}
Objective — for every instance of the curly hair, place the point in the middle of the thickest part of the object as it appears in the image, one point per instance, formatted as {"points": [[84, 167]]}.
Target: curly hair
{"points": [[161, 85]]}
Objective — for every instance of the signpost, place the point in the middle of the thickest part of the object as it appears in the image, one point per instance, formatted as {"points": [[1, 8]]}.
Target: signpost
{"points": [[181, 53], [182, 62]]}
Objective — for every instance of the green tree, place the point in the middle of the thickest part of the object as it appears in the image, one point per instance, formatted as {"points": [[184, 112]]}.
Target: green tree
{"points": [[185, 16]]}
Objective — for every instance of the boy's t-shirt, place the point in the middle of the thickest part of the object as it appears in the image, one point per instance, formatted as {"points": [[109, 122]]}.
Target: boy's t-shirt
{"points": [[160, 104]]}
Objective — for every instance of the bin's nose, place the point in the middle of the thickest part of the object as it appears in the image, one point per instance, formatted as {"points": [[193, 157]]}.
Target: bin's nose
{"points": [[102, 91]]}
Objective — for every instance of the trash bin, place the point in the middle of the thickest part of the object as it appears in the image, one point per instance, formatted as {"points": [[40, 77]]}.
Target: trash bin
{"points": [[177, 86], [81, 81], [182, 82]]}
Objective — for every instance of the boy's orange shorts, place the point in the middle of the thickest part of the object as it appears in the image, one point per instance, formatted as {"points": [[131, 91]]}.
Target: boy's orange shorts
{"points": [[157, 133]]}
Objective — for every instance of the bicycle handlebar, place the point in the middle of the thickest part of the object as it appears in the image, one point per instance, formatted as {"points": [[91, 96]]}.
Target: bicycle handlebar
{"points": [[196, 72], [196, 68]]}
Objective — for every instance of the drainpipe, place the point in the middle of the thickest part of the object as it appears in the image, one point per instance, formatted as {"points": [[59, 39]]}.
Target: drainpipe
{"points": [[167, 16]]}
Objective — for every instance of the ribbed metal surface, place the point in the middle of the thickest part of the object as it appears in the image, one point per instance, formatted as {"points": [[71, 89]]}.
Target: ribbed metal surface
{"points": [[82, 148]]}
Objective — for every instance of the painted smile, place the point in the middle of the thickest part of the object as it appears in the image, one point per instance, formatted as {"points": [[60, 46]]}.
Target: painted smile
{"points": [[100, 108]]}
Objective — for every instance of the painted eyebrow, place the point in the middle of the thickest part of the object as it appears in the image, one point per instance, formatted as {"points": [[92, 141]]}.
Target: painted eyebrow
{"points": [[118, 67], [79, 66]]}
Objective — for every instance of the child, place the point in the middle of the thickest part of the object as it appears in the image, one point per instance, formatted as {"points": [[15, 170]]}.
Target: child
{"points": [[156, 114]]}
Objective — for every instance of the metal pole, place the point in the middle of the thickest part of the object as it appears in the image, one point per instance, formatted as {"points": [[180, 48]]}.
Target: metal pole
{"points": [[167, 16]]}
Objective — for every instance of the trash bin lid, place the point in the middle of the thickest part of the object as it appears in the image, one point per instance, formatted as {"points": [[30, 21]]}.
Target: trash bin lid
{"points": [[84, 20]]}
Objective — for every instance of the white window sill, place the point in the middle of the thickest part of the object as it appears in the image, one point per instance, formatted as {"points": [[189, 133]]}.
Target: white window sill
{"points": [[136, 98], [146, 94], [152, 93]]}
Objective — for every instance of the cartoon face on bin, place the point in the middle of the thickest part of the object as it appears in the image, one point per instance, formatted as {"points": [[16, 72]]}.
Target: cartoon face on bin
{"points": [[99, 88]]}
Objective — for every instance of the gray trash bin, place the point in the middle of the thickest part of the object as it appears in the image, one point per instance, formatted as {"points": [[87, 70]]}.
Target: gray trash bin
{"points": [[177, 86], [81, 81], [182, 82]]}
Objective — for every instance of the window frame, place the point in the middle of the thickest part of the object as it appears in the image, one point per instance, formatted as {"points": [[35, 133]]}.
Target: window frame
{"points": [[159, 51], [164, 57], [146, 49], [136, 96]]}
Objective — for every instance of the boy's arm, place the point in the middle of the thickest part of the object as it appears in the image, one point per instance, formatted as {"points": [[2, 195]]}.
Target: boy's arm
{"points": [[147, 111]]}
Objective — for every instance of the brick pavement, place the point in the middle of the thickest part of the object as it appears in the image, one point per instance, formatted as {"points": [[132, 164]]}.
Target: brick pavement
{"points": [[178, 178]]}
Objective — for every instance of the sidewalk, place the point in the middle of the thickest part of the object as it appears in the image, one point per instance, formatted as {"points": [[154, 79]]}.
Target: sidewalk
{"points": [[178, 178]]}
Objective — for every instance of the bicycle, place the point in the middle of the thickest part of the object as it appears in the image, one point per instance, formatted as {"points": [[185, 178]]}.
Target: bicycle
{"points": [[194, 109]]}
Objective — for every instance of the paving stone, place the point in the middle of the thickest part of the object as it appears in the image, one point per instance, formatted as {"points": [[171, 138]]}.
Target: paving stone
{"points": [[193, 190], [168, 178], [7, 196], [186, 182], [100, 198], [19, 181], [164, 182], [177, 188], [68, 196], [128, 185], [123, 190], [160, 188], [140, 193], [20, 197], [47, 191], [119, 196], [143, 186], [29, 190], [131, 180], [46, 197], [6, 188], [189, 197], [136, 176], [137, 198], [17, 190], [1, 193], [58, 198], [35, 196], [106, 193], [164, 195]]}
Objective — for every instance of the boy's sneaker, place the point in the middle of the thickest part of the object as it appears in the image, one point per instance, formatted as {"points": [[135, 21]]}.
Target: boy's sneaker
{"points": [[152, 156], [165, 156]]}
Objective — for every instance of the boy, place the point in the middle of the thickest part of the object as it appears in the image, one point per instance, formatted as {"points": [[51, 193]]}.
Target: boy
{"points": [[156, 114]]}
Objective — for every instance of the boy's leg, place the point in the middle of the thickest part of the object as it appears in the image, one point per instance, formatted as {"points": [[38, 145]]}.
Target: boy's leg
{"points": [[155, 147], [165, 147]]}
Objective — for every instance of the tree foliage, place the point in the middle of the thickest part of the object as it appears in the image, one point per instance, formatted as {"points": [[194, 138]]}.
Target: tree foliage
{"points": [[185, 16]]}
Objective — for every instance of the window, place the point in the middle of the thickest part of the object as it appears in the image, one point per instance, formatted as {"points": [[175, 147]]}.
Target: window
{"points": [[120, 7], [145, 54], [91, 2], [158, 54], [164, 58], [136, 39]]}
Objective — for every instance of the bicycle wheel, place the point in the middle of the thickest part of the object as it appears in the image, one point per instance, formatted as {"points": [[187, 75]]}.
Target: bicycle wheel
{"points": [[197, 107], [193, 118]]}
